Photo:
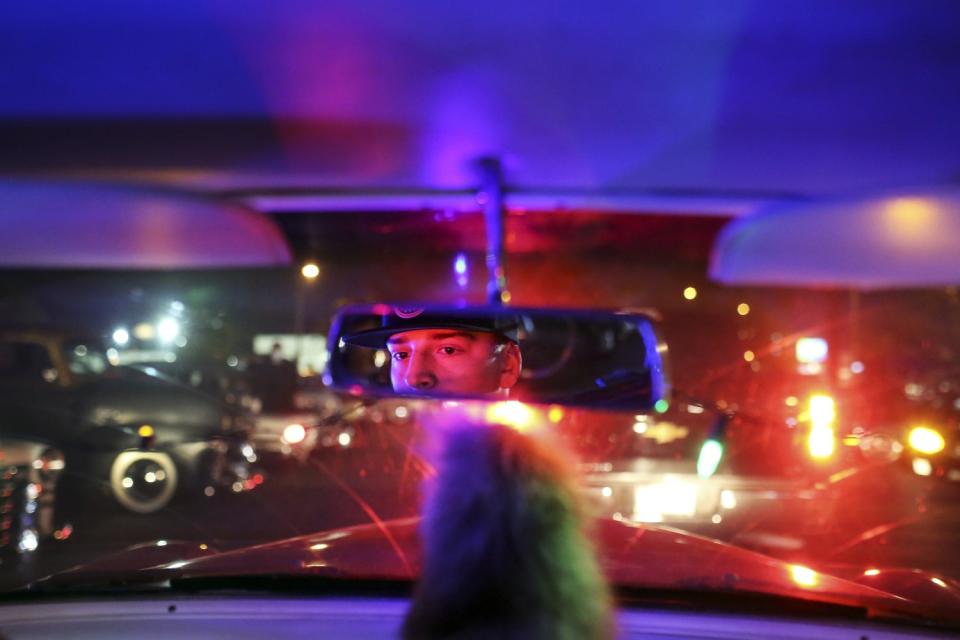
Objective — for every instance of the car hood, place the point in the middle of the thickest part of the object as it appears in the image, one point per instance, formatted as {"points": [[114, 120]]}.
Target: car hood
{"points": [[128, 397], [641, 557]]}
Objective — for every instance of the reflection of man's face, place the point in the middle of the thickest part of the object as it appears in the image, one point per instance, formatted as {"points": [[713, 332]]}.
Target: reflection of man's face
{"points": [[452, 362]]}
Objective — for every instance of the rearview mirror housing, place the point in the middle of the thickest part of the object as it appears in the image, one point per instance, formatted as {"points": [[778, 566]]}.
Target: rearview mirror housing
{"points": [[601, 359]]}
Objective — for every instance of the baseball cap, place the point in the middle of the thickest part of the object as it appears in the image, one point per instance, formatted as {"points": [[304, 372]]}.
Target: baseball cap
{"points": [[411, 318]]}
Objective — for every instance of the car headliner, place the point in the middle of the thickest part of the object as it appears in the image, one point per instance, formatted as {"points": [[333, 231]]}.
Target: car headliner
{"points": [[741, 97]]}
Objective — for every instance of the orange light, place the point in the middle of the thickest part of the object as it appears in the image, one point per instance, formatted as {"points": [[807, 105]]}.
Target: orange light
{"points": [[511, 413], [822, 408], [749, 356], [872, 572], [926, 440], [555, 414], [146, 431], [294, 433], [803, 576], [822, 441], [791, 401], [690, 293], [743, 308], [310, 271], [912, 220]]}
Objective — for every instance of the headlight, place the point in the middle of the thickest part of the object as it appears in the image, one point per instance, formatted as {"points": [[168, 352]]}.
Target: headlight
{"points": [[922, 467], [29, 541], [294, 433], [926, 440]]}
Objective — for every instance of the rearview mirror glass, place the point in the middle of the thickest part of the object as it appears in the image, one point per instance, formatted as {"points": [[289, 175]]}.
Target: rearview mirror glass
{"points": [[577, 358]]}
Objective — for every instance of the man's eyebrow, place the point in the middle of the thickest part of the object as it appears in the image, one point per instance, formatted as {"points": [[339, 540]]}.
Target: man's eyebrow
{"points": [[439, 335]]}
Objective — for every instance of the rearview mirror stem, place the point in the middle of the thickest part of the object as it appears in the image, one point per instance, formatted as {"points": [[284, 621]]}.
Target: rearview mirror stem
{"points": [[491, 197]]}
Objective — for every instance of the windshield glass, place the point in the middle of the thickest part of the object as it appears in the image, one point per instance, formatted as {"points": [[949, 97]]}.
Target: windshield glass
{"points": [[757, 372], [194, 195]]}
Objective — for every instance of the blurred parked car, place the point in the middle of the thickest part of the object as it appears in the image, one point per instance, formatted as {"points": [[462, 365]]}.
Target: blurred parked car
{"points": [[134, 435], [544, 155]]}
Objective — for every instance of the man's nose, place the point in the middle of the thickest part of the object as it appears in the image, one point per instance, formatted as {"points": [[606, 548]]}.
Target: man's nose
{"points": [[419, 375]]}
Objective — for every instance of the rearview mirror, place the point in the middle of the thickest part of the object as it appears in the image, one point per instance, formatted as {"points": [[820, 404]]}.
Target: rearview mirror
{"points": [[575, 358]]}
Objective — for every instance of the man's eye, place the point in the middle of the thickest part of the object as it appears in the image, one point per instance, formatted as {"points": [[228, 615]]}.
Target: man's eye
{"points": [[400, 355], [449, 351]]}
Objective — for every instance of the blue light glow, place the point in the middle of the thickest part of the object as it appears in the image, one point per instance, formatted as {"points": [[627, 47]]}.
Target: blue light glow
{"points": [[460, 268]]}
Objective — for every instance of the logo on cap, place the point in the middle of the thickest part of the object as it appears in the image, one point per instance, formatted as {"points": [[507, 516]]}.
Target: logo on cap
{"points": [[408, 312]]}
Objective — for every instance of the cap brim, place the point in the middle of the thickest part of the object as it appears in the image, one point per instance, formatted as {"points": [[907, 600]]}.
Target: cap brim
{"points": [[377, 338]]}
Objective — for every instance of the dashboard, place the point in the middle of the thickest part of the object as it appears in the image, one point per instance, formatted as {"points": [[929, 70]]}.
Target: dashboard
{"points": [[213, 617]]}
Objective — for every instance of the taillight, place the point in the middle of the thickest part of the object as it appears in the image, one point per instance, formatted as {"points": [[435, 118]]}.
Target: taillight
{"points": [[822, 409], [822, 439], [926, 440]]}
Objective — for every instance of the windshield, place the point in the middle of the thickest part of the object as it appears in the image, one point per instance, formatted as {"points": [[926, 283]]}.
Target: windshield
{"points": [[194, 195], [755, 371]]}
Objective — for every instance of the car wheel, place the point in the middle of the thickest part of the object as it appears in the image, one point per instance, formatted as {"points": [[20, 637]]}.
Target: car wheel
{"points": [[143, 481]]}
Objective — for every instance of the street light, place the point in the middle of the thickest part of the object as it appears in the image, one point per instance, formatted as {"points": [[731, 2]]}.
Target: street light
{"points": [[167, 330], [121, 336], [310, 271]]}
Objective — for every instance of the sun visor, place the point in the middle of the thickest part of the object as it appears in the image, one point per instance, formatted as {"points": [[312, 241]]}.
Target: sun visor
{"points": [[96, 226], [911, 240]]}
